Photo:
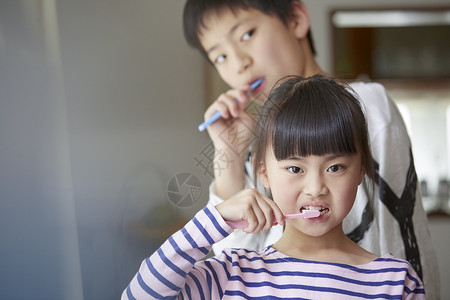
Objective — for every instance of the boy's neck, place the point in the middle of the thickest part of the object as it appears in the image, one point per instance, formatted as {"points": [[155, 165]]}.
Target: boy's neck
{"points": [[311, 66]]}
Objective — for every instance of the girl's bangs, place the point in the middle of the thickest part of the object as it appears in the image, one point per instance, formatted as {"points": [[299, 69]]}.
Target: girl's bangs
{"points": [[304, 130]]}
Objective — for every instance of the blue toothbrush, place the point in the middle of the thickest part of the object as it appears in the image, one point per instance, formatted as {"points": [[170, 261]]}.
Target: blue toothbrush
{"points": [[217, 115]]}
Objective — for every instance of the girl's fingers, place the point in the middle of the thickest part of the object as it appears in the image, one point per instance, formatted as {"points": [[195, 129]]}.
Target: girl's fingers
{"points": [[259, 211], [267, 208], [265, 212], [252, 212], [277, 213], [256, 219]]}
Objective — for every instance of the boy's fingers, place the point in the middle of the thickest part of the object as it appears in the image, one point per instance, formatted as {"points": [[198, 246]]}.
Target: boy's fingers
{"points": [[215, 107], [224, 105], [229, 103], [232, 104]]}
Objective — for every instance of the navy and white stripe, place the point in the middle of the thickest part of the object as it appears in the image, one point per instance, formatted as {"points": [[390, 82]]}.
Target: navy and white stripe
{"points": [[177, 270]]}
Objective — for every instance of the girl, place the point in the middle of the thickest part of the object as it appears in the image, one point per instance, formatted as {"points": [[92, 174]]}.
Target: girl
{"points": [[310, 152]]}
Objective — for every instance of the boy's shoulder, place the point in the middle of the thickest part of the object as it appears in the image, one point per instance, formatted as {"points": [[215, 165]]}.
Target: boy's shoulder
{"points": [[371, 90], [374, 99]]}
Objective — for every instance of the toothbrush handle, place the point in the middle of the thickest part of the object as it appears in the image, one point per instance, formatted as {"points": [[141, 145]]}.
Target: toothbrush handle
{"points": [[211, 120], [306, 214], [217, 115], [208, 122], [237, 224]]}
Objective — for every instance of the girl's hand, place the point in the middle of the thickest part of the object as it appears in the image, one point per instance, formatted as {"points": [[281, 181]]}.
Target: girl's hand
{"points": [[259, 211]]}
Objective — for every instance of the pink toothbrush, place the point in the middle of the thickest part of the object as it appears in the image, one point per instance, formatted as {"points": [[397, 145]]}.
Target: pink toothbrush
{"points": [[307, 214]]}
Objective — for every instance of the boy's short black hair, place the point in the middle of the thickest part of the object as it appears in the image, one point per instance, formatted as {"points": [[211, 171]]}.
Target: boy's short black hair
{"points": [[195, 10]]}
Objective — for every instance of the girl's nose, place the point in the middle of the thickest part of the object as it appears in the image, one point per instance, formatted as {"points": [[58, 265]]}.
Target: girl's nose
{"points": [[314, 186]]}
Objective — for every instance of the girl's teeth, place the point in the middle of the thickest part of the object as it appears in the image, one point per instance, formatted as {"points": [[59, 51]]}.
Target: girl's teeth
{"points": [[322, 210], [312, 208]]}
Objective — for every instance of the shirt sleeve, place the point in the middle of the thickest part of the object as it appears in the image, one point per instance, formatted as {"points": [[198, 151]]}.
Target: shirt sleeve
{"points": [[238, 238], [165, 273], [413, 286]]}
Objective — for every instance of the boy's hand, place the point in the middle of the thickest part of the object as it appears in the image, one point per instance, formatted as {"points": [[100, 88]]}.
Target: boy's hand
{"points": [[259, 211], [232, 132]]}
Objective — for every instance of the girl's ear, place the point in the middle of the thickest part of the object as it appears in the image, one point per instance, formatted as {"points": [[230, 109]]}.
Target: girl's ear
{"points": [[300, 21], [262, 175], [363, 172]]}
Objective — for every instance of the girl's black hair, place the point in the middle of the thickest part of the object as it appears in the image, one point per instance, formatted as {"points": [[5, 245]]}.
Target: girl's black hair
{"points": [[311, 116], [196, 10]]}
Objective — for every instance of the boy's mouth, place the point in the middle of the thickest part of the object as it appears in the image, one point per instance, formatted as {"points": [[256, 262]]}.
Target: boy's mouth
{"points": [[255, 85], [322, 210]]}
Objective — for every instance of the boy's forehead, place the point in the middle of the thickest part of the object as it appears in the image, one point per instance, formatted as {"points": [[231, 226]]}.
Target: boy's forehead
{"points": [[219, 23], [219, 20]]}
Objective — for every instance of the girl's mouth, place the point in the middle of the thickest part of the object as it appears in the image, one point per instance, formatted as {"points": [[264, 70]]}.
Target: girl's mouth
{"points": [[322, 210]]}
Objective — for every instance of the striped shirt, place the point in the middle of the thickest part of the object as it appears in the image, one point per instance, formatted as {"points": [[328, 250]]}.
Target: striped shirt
{"points": [[177, 271]]}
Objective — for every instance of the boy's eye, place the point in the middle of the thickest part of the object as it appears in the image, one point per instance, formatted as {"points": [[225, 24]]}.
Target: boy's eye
{"points": [[335, 168], [295, 170], [220, 59], [247, 35]]}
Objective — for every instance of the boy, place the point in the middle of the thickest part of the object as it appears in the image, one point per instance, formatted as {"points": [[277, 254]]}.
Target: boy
{"points": [[251, 40]]}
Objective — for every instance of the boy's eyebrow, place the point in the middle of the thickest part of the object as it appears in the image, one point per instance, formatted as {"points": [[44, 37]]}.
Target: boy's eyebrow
{"points": [[232, 29]]}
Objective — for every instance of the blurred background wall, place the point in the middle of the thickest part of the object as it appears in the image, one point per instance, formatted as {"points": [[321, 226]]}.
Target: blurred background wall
{"points": [[99, 106]]}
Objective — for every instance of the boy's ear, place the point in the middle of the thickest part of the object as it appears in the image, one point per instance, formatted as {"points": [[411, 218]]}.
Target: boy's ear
{"points": [[262, 175], [300, 21]]}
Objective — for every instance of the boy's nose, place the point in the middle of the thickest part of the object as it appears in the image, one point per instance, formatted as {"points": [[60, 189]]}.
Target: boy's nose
{"points": [[242, 61]]}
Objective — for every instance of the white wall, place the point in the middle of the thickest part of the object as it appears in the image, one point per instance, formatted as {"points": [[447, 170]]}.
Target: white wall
{"points": [[100, 102], [39, 253]]}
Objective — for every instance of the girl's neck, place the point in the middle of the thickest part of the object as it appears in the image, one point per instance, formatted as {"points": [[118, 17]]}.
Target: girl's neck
{"points": [[334, 247]]}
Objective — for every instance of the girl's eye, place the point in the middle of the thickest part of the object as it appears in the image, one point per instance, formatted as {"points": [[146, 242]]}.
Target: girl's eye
{"points": [[247, 35], [295, 170], [335, 168]]}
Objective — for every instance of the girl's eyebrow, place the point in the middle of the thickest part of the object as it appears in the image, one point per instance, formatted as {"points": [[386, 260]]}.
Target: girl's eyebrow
{"points": [[328, 157], [294, 158], [230, 32]]}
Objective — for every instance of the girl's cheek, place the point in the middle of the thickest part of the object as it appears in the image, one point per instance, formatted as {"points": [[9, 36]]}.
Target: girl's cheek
{"points": [[285, 200]]}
